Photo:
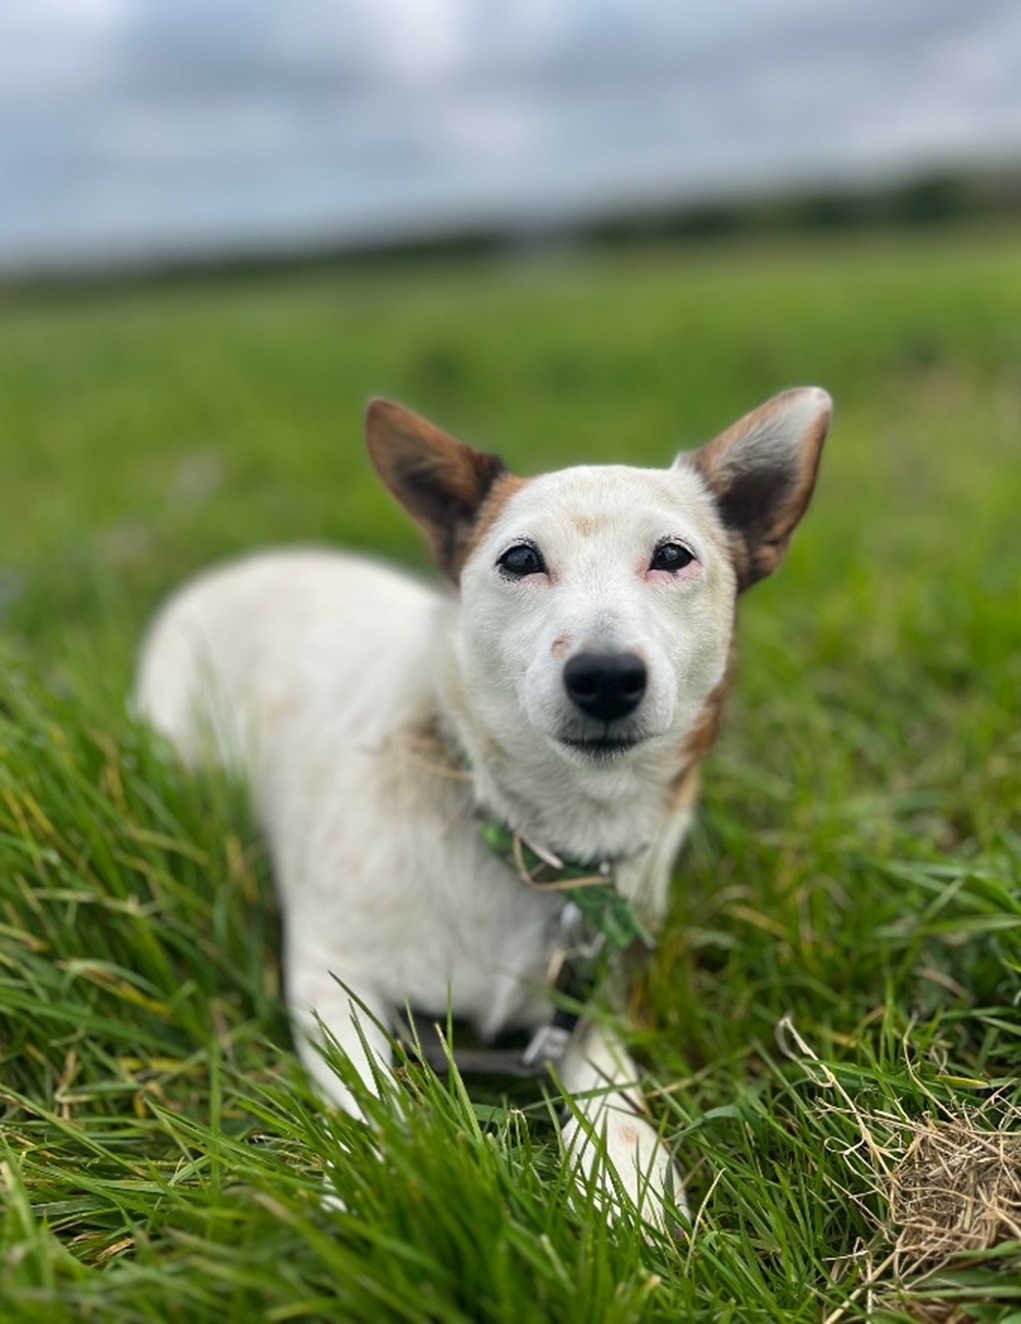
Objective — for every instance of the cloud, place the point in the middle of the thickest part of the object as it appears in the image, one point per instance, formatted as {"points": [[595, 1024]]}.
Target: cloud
{"points": [[133, 129]]}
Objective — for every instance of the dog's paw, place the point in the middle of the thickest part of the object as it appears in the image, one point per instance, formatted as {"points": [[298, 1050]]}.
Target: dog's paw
{"points": [[623, 1155]]}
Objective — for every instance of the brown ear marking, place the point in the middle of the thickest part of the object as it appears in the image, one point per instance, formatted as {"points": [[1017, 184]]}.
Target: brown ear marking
{"points": [[762, 472], [443, 484]]}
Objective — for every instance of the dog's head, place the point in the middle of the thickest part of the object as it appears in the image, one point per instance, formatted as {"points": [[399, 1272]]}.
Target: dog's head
{"points": [[598, 602]]}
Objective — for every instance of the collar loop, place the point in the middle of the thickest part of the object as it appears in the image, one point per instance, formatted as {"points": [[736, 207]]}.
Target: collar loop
{"points": [[591, 885]]}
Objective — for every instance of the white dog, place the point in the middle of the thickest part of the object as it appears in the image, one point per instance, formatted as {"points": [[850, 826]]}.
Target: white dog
{"points": [[435, 770]]}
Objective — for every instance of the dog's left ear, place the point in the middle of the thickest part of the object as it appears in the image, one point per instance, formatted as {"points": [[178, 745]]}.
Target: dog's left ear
{"points": [[442, 483], [761, 472]]}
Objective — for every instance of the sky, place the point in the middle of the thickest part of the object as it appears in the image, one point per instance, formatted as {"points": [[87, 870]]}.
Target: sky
{"points": [[136, 130]]}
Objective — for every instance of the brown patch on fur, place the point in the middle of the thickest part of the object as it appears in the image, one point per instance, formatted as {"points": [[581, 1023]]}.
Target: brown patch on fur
{"points": [[760, 496], [588, 525], [424, 744], [740, 558], [686, 789], [443, 484], [504, 487], [561, 645], [699, 741]]}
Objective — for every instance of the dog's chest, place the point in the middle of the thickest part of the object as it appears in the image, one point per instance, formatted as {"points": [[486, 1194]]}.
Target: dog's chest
{"points": [[380, 861]]}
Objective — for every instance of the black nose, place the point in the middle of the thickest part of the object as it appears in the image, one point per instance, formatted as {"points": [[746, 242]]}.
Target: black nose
{"points": [[605, 685]]}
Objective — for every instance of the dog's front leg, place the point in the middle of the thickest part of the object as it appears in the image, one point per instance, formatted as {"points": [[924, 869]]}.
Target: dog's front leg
{"points": [[610, 1119], [326, 1000], [323, 995]]}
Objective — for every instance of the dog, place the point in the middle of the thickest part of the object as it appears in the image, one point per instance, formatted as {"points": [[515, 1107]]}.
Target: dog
{"points": [[464, 790]]}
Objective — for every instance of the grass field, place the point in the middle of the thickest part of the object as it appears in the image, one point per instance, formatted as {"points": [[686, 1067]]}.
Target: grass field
{"points": [[856, 869]]}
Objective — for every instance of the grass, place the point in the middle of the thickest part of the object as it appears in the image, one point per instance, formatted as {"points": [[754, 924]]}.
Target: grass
{"points": [[856, 869]]}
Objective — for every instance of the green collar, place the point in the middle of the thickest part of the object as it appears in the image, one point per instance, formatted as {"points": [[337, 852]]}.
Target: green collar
{"points": [[591, 885]]}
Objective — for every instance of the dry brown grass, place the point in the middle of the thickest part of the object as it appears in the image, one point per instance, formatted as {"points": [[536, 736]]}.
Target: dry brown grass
{"points": [[947, 1184], [956, 1189]]}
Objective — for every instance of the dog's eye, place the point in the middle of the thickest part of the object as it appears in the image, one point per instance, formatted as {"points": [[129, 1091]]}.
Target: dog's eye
{"points": [[671, 556], [521, 560]]}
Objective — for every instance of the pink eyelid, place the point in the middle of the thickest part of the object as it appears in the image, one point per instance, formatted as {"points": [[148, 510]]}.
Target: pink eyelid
{"points": [[690, 571]]}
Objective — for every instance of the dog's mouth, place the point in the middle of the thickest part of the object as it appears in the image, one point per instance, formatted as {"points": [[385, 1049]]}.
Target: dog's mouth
{"points": [[600, 749]]}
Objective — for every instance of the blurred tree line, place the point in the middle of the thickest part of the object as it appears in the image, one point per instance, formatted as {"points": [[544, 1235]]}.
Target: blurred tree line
{"points": [[930, 200]]}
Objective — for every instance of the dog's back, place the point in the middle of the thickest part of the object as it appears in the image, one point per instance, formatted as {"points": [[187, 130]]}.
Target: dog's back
{"points": [[243, 659]]}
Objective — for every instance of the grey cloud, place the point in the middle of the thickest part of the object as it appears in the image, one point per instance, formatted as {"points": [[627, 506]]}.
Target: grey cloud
{"points": [[182, 122]]}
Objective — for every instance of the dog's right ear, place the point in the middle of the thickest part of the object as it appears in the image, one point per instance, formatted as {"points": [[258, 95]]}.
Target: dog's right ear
{"points": [[761, 473], [442, 483]]}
